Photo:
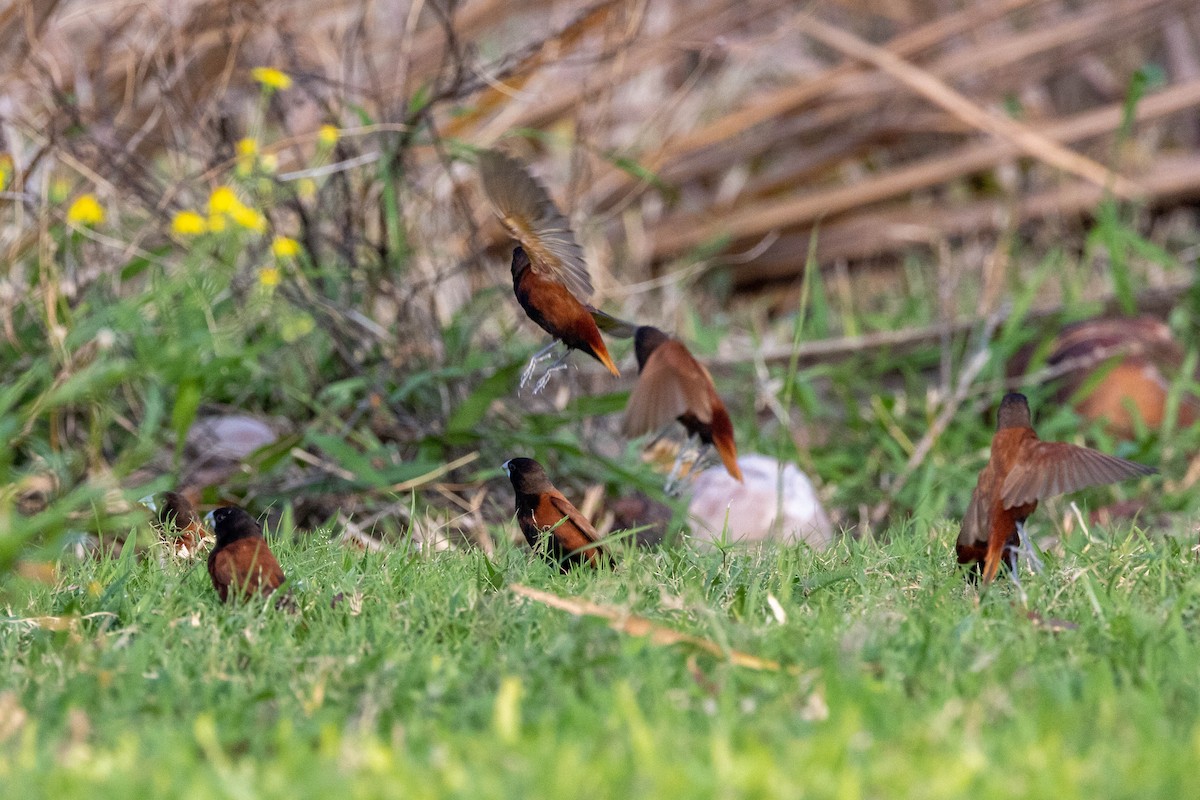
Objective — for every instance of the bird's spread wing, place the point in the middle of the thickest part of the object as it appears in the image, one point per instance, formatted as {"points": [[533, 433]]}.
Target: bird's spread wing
{"points": [[527, 212], [671, 384], [1046, 469]]}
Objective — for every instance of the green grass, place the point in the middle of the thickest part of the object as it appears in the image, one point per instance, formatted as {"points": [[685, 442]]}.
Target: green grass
{"points": [[127, 678], [897, 681]]}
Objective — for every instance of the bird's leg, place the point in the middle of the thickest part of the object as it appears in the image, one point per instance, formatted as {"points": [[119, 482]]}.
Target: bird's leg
{"points": [[559, 364], [538, 357], [1016, 579], [704, 453], [674, 479], [1025, 548]]}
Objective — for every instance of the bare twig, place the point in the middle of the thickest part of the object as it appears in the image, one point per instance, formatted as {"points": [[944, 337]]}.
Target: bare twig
{"points": [[633, 625]]}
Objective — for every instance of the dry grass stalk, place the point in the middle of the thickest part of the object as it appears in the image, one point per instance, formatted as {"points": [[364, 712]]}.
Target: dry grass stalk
{"points": [[937, 91], [633, 625]]}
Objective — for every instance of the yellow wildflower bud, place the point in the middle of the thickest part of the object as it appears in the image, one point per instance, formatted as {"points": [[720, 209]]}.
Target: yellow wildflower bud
{"points": [[268, 277], [328, 135], [86, 210], [189, 223], [223, 201], [283, 247], [248, 218], [271, 78]]}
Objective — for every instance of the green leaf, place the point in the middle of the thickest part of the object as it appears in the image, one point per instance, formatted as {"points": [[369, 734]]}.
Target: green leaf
{"points": [[92, 381], [473, 409], [183, 414]]}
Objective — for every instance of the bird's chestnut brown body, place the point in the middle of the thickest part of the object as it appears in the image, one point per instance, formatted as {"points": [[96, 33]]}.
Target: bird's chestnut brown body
{"points": [[551, 305], [241, 564], [550, 523], [1021, 471]]}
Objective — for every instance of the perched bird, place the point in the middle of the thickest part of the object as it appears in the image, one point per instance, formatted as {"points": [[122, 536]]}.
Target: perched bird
{"points": [[241, 564], [1021, 471], [178, 522], [551, 525], [550, 278], [673, 385]]}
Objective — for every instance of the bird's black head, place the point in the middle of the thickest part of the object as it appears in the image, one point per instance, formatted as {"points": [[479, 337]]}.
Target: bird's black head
{"points": [[232, 523], [520, 261], [1014, 412], [176, 511], [527, 476], [645, 341]]}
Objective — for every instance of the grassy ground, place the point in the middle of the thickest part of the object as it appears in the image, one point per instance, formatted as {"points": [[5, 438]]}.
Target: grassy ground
{"points": [[329, 280], [896, 679]]}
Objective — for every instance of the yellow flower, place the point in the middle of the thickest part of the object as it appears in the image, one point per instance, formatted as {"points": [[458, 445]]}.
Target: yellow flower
{"points": [[271, 78], [327, 136], [306, 188], [247, 146], [223, 201], [216, 223], [269, 163], [283, 247], [249, 218], [268, 277], [86, 210], [189, 223]]}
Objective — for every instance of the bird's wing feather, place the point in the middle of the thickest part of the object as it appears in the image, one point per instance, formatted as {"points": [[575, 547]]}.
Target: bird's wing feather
{"points": [[221, 568], [527, 212], [575, 520], [671, 384], [271, 574], [1046, 469], [976, 524]]}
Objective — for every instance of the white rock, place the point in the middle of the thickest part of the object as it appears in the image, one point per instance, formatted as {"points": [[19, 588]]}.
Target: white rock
{"points": [[777, 502]]}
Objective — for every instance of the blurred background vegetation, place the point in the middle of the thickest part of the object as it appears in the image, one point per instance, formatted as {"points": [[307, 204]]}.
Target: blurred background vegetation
{"points": [[267, 212]]}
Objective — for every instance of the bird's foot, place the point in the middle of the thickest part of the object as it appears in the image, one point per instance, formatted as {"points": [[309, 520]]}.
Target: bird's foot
{"points": [[557, 366], [1026, 550], [531, 367], [1016, 579], [687, 454]]}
